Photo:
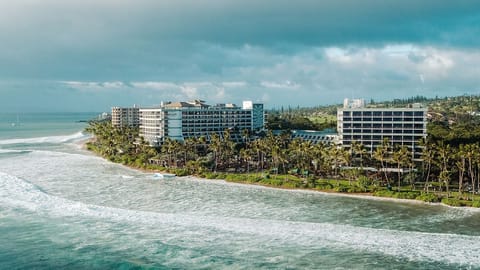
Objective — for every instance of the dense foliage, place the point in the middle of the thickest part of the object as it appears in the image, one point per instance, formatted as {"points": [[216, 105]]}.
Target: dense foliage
{"points": [[314, 118], [449, 170]]}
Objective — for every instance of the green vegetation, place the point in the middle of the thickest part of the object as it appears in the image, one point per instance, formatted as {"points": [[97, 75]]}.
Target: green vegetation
{"points": [[449, 171], [315, 118], [428, 197]]}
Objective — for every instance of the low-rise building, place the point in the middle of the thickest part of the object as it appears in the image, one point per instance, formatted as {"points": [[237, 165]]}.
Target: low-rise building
{"points": [[325, 137]]}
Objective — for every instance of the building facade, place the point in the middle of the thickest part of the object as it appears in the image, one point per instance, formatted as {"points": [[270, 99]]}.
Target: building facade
{"points": [[370, 126], [125, 116], [315, 137], [182, 120]]}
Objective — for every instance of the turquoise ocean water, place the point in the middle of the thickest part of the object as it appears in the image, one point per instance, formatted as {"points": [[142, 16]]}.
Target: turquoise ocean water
{"points": [[63, 208]]}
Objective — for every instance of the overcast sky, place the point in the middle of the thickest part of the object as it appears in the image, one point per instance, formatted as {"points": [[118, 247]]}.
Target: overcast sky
{"points": [[89, 55]]}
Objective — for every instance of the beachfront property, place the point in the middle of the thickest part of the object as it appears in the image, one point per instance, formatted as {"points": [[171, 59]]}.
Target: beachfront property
{"points": [[194, 119], [370, 126], [126, 116]]}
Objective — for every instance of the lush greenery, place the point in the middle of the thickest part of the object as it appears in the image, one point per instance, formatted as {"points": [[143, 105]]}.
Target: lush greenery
{"points": [[449, 171], [315, 118]]}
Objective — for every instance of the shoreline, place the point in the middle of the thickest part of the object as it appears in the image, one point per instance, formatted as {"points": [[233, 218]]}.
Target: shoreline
{"points": [[362, 195], [365, 195]]}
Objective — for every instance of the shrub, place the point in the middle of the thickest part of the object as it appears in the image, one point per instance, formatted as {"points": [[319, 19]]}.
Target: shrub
{"points": [[411, 195], [385, 193], [181, 172], [211, 175], [324, 185], [354, 189], [364, 182], [221, 176], [341, 188], [231, 177], [272, 182], [428, 197], [452, 202], [289, 185], [476, 204]]}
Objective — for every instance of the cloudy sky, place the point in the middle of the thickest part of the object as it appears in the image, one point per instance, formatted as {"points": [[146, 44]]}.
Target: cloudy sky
{"points": [[89, 55]]}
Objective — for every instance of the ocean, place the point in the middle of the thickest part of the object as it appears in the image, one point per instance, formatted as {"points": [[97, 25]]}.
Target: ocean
{"points": [[63, 208]]}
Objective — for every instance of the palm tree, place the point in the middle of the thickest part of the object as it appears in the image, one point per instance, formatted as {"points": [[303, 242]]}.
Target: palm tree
{"points": [[283, 159], [401, 158], [275, 153], [246, 136], [471, 154], [227, 148], [260, 146], [318, 156], [216, 147], [443, 158], [382, 154], [246, 155], [359, 150], [336, 158], [427, 160], [189, 149], [460, 163], [176, 150]]}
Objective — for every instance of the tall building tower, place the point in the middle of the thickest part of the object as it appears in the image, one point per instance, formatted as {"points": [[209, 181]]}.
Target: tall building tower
{"points": [[258, 114], [370, 126]]}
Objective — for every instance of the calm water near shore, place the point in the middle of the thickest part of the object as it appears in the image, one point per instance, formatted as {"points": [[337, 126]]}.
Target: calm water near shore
{"points": [[61, 207]]}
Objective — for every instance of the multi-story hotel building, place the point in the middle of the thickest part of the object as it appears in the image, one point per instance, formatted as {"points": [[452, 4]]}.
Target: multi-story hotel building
{"points": [[125, 116], [369, 126], [182, 120]]}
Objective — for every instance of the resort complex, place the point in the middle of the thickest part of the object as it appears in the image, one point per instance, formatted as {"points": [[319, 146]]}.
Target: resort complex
{"points": [[192, 119], [356, 123], [374, 147]]}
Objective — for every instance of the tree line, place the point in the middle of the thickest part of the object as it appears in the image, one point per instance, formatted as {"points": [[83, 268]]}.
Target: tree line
{"points": [[445, 170]]}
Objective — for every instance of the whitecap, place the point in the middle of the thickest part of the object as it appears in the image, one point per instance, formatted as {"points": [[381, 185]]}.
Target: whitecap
{"points": [[462, 249], [9, 151], [48, 139]]}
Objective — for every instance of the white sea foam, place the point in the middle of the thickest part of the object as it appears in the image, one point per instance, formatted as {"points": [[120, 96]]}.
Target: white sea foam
{"points": [[49, 139], [8, 151], [449, 248]]}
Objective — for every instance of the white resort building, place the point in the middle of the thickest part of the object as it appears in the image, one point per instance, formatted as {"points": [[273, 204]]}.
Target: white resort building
{"points": [[369, 126], [194, 119], [126, 116]]}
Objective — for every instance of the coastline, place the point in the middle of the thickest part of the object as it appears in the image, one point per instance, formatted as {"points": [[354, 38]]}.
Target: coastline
{"points": [[364, 195], [329, 192]]}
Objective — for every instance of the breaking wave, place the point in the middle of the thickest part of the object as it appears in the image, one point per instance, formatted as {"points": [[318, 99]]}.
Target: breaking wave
{"points": [[49, 139], [448, 248]]}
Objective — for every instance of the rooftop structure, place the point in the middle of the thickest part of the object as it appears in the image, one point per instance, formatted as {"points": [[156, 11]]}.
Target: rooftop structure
{"points": [[353, 103]]}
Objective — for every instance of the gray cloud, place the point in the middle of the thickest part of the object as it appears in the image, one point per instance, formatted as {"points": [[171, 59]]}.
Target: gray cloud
{"points": [[111, 39], [308, 52]]}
